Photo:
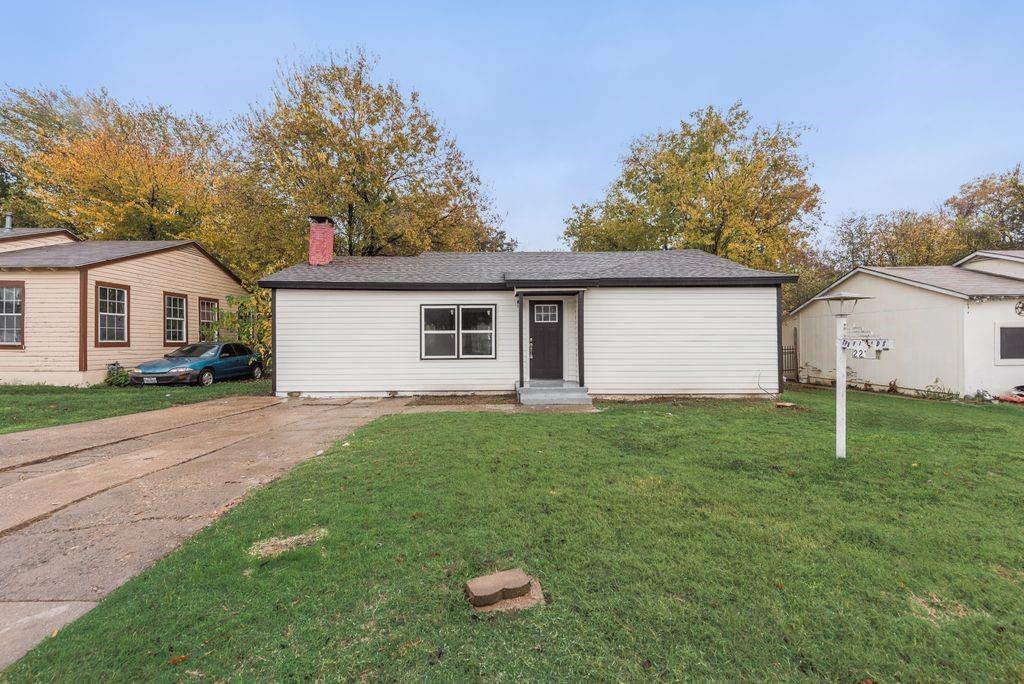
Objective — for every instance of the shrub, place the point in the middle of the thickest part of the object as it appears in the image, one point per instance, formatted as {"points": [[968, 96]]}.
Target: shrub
{"points": [[117, 376]]}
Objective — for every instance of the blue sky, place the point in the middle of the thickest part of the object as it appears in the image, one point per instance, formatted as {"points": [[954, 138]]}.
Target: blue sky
{"points": [[905, 100]]}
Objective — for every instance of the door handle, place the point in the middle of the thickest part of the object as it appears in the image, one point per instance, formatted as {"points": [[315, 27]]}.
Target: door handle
{"points": [[531, 347]]}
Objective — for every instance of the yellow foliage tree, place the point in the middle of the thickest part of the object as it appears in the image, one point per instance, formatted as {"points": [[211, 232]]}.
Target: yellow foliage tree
{"points": [[715, 184], [111, 170]]}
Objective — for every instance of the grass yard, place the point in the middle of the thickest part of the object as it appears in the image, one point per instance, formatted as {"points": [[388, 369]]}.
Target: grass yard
{"points": [[25, 407], [688, 540]]}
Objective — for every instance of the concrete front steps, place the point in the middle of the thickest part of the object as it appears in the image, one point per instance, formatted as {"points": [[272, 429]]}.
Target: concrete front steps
{"points": [[553, 393]]}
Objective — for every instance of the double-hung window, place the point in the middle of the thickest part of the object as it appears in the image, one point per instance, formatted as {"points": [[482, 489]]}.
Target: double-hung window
{"points": [[112, 311], [209, 314], [476, 332], [12, 314], [175, 318], [455, 331]]}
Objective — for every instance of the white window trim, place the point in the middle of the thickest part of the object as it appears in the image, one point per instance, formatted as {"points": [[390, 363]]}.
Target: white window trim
{"points": [[997, 352], [19, 317], [424, 332], [100, 314], [459, 354], [491, 332], [214, 325], [183, 319], [546, 312]]}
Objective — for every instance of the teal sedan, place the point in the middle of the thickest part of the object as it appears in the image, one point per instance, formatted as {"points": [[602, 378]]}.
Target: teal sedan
{"points": [[201, 363]]}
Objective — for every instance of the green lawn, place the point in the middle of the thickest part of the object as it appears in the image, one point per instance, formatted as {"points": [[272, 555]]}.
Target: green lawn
{"points": [[687, 540], [24, 407]]}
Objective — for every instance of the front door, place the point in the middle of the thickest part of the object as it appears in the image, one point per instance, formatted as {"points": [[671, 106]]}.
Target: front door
{"points": [[545, 340]]}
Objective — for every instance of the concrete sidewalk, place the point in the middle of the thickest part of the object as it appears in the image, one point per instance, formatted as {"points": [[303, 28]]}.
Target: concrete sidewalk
{"points": [[85, 507]]}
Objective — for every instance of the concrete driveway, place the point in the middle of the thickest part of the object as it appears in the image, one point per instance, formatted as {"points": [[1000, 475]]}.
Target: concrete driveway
{"points": [[85, 507]]}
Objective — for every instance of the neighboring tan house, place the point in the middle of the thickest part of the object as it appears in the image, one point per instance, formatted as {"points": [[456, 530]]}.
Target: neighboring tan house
{"points": [[957, 329], [556, 326], [26, 238], [69, 307]]}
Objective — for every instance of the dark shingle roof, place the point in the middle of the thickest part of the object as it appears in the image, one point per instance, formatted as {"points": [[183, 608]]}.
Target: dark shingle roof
{"points": [[504, 270], [77, 254], [955, 279], [32, 232]]}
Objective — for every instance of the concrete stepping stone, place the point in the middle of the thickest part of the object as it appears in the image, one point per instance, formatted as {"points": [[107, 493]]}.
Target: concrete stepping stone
{"points": [[505, 590]]}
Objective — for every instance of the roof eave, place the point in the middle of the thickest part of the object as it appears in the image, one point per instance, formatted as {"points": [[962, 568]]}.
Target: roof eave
{"points": [[885, 276], [985, 254], [395, 286], [11, 237], [742, 281], [127, 257]]}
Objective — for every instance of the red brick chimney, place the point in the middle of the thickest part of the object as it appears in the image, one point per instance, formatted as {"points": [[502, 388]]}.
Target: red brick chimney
{"points": [[321, 240]]}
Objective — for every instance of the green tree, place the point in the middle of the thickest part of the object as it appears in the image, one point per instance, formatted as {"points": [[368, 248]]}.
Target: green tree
{"points": [[989, 211], [716, 183], [335, 142]]}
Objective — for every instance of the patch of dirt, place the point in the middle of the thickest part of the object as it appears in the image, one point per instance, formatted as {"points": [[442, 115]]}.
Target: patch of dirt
{"points": [[274, 546], [1011, 575], [936, 611], [463, 400]]}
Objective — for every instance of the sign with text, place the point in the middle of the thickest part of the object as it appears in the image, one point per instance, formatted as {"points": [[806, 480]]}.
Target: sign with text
{"points": [[867, 347]]}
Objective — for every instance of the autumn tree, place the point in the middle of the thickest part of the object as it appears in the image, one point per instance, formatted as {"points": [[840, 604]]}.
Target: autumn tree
{"points": [[336, 142], [716, 183], [989, 211], [108, 169]]}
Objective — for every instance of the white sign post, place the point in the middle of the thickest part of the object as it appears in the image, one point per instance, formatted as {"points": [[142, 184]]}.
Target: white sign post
{"points": [[841, 304], [841, 385]]}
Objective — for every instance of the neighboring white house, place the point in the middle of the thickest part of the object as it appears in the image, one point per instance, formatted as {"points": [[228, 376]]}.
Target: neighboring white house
{"points": [[956, 328], [549, 324]]}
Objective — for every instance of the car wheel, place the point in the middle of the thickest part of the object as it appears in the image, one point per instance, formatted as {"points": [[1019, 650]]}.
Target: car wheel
{"points": [[206, 378], [257, 372]]}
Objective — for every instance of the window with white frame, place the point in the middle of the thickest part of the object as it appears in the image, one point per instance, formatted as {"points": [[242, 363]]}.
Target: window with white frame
{"points": [[1011, 343], [209, 314], [12, 316], [476, 332], [112, 315], [453, 331], [175, 317], [545, 313], [439, 332]]}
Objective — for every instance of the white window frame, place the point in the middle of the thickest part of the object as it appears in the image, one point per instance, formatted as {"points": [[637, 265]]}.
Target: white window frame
{"points": [[999, 360], [19, 317], [550, 312], [183, 319], [457, 308], [100, 339], [214, 325], [492, 332], [424, 332]]}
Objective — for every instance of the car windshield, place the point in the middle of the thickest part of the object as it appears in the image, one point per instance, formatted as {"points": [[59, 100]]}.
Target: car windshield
{"points": [[193, 350]]}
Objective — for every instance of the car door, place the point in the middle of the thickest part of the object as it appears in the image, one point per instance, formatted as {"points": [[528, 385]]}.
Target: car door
{"points": [[244, 360], [224, 366], [237, 360]]}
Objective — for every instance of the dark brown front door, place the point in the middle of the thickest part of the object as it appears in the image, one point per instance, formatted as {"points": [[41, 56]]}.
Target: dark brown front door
{"points": [[545, 340]]}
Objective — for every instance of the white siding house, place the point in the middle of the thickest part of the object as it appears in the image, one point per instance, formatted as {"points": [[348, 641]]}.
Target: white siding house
{"points": [[956, 328], [622, 323]]}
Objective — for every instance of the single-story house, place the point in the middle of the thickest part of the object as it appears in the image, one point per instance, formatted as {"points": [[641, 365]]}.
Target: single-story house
{"points": [[12, 238], [956, 329], [554, 326], [69, 307]]}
